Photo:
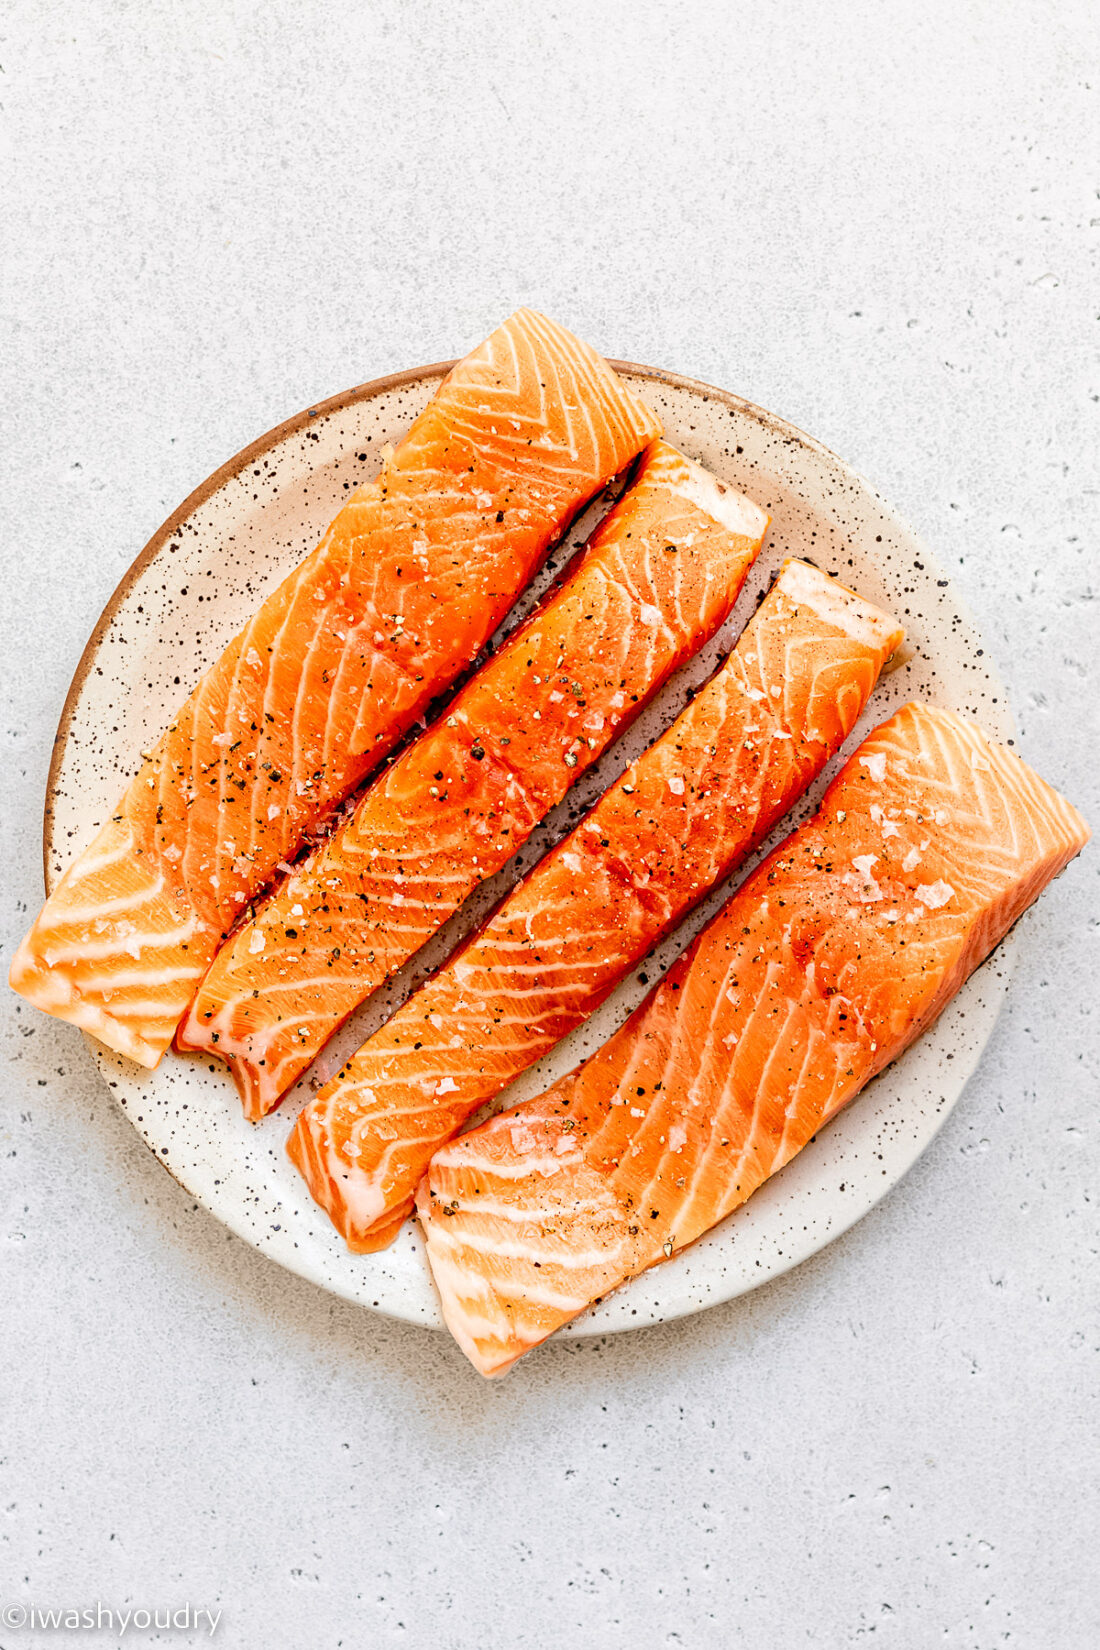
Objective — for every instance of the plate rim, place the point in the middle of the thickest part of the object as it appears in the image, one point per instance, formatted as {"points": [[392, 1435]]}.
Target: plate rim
{"points": [[232, 468]]}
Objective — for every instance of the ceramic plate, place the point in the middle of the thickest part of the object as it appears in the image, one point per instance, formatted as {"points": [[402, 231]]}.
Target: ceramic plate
{"points": [[203, 575]]}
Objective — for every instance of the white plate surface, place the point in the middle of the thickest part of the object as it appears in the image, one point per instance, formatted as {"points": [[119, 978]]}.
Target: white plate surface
{"points": [[195, 585]]}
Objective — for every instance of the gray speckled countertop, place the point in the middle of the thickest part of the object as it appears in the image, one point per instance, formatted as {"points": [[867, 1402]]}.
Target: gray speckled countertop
{"points": [[880, 220]]}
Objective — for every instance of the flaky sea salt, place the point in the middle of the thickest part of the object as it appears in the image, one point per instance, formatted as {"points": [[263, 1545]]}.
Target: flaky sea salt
{"points": [[934, 894]]}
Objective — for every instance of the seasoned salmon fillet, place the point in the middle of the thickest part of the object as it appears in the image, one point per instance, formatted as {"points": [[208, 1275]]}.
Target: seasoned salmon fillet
{"points": [[658, 577], [680, 819], [837, 952], [409, 582]]}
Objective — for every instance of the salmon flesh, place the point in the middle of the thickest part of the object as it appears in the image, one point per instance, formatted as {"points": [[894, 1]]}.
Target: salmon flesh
{"points": [[836, 953], [680, 819], [409, 582], [658, 577]]}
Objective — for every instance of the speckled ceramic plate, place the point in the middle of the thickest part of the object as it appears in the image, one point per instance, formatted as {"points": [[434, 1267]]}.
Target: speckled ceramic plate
{"points": [[203, 574]]}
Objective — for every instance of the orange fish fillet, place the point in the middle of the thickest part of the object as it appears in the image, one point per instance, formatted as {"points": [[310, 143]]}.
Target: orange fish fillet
{"points": [[408, 583], [838, 951], [678, 822], [658, 578]]}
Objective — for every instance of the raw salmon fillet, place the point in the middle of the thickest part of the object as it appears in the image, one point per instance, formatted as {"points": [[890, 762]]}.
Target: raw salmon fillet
{"points": [[659, 576], [837, 952], [680, 819], [409, 582]]}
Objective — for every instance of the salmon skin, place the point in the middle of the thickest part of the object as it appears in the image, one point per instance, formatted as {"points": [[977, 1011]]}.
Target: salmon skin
{"points": [[837, 952], [680, 819], [409, 582], [659, 576]]}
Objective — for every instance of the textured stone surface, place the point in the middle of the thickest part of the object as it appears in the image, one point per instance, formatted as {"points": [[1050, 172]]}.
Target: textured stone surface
{"points": [[880, 220]]}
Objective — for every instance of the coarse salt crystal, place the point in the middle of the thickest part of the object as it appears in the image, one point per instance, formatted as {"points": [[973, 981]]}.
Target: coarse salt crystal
{"points": [[866, 888], [257, 942], [875, 765], [676, 785], [934, 894], [446, 1085], [650, 614]]}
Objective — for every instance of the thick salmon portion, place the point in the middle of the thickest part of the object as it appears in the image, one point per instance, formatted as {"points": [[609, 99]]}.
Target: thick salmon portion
{"points": [[680, 820], [838, 951], [409, 582], [657, 579]]}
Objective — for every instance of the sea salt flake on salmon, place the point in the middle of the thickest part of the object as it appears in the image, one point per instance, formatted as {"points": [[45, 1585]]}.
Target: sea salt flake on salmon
{"points": [[934, 894], [827, 996], [303, 704]]}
